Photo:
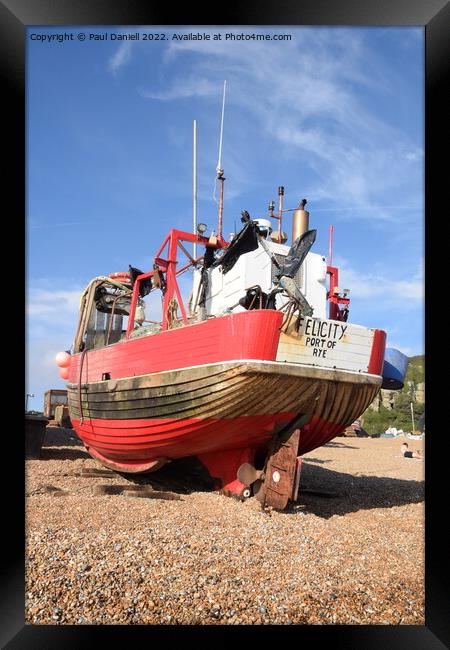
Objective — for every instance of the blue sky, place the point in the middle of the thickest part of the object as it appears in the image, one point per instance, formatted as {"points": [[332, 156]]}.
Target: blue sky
{"points": [[334, 114]]}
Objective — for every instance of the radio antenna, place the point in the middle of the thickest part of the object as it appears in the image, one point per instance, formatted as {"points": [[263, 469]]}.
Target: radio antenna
{"points": [[194, 186], [219, 162], [220, 177]]}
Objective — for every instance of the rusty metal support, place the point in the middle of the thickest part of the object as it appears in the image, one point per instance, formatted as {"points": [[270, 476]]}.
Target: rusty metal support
{"points": [[280, 211], [221, 179]]}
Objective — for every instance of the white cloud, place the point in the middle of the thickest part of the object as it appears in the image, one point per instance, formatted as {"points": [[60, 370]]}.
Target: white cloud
{"points": [[414, 155], [190, 87], [41, 371], [397, 293], [305, 97], [58, 305], [121, 57]]}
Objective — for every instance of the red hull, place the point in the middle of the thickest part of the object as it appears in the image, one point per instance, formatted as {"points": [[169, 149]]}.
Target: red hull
{"points": [[208, 390], [173, 439], [247, 335]]}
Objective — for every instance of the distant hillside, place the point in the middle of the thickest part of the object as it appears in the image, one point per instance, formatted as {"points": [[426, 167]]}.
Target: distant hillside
{"points": [[416, 369], [379, 416]]}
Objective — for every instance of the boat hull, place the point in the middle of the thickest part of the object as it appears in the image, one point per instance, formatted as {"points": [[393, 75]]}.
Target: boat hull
{"points": [[136, 424], [394, 369]]}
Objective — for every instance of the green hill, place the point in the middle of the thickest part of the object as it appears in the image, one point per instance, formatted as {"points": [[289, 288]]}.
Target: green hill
{"points": [[416, 369], [400, 416]]}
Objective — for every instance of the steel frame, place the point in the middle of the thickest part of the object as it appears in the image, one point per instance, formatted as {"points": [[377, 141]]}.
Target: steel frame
{"points": [[166, 261]]}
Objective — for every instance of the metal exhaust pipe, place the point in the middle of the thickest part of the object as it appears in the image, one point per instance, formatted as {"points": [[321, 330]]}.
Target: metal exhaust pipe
{"points": [[300, 221]]}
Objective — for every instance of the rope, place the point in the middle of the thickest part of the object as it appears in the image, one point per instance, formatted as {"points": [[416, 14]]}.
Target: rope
{"points": [[80, 403], [171, 312]]}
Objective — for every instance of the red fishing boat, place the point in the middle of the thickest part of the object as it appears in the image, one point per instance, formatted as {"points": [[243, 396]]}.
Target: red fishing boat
{"points": [[260, 366], [231, 379]]}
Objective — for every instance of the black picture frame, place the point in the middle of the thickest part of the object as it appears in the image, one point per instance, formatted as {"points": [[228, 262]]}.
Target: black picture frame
{"points": [[434, 16]]}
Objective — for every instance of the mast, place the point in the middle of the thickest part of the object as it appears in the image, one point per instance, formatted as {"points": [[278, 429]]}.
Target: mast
{"points": [[330, 245]]}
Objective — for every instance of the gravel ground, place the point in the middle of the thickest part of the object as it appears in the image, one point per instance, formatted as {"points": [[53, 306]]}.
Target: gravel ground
{"points": [[351, 555]]}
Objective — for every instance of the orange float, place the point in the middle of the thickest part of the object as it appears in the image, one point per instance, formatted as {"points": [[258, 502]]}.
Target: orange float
{"points": [[62, 359]]}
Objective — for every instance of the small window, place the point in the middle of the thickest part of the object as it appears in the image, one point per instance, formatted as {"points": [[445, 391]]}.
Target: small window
{"points": [[105, 376]]}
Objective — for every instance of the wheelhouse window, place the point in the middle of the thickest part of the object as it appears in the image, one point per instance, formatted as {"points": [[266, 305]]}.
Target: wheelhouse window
{"points": [[109, 310], [104, 311]]}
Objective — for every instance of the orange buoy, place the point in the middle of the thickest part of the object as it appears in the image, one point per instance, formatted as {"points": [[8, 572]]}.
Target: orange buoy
{"points": [[64, 373], [121, 276], [62, 359]]}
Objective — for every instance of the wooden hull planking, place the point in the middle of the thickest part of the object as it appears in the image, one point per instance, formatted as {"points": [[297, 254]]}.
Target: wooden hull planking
{"points": [[137, 421]]}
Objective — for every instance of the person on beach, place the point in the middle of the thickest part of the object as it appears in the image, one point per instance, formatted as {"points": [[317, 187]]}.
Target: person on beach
{"points": [[406, 453]]}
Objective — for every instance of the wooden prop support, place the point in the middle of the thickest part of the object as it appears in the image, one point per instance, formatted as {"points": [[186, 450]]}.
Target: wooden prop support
{"points": [[280, 472]]}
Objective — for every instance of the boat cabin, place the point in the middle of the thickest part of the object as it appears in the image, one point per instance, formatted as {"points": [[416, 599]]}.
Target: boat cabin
{"points": [[256, 269]]}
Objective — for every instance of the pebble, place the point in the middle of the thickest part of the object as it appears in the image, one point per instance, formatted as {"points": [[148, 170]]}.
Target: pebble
{"points": [[355, 558]]}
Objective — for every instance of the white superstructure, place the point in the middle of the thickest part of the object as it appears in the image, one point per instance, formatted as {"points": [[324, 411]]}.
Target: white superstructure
{"points": [[257, 268]]}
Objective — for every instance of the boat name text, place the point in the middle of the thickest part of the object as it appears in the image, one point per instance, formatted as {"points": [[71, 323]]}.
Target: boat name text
{"points": [[322, 335]]}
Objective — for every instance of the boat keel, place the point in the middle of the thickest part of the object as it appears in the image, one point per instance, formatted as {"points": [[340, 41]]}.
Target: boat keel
{"points": [[224, 466], [273, 486], [128, 468]]}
